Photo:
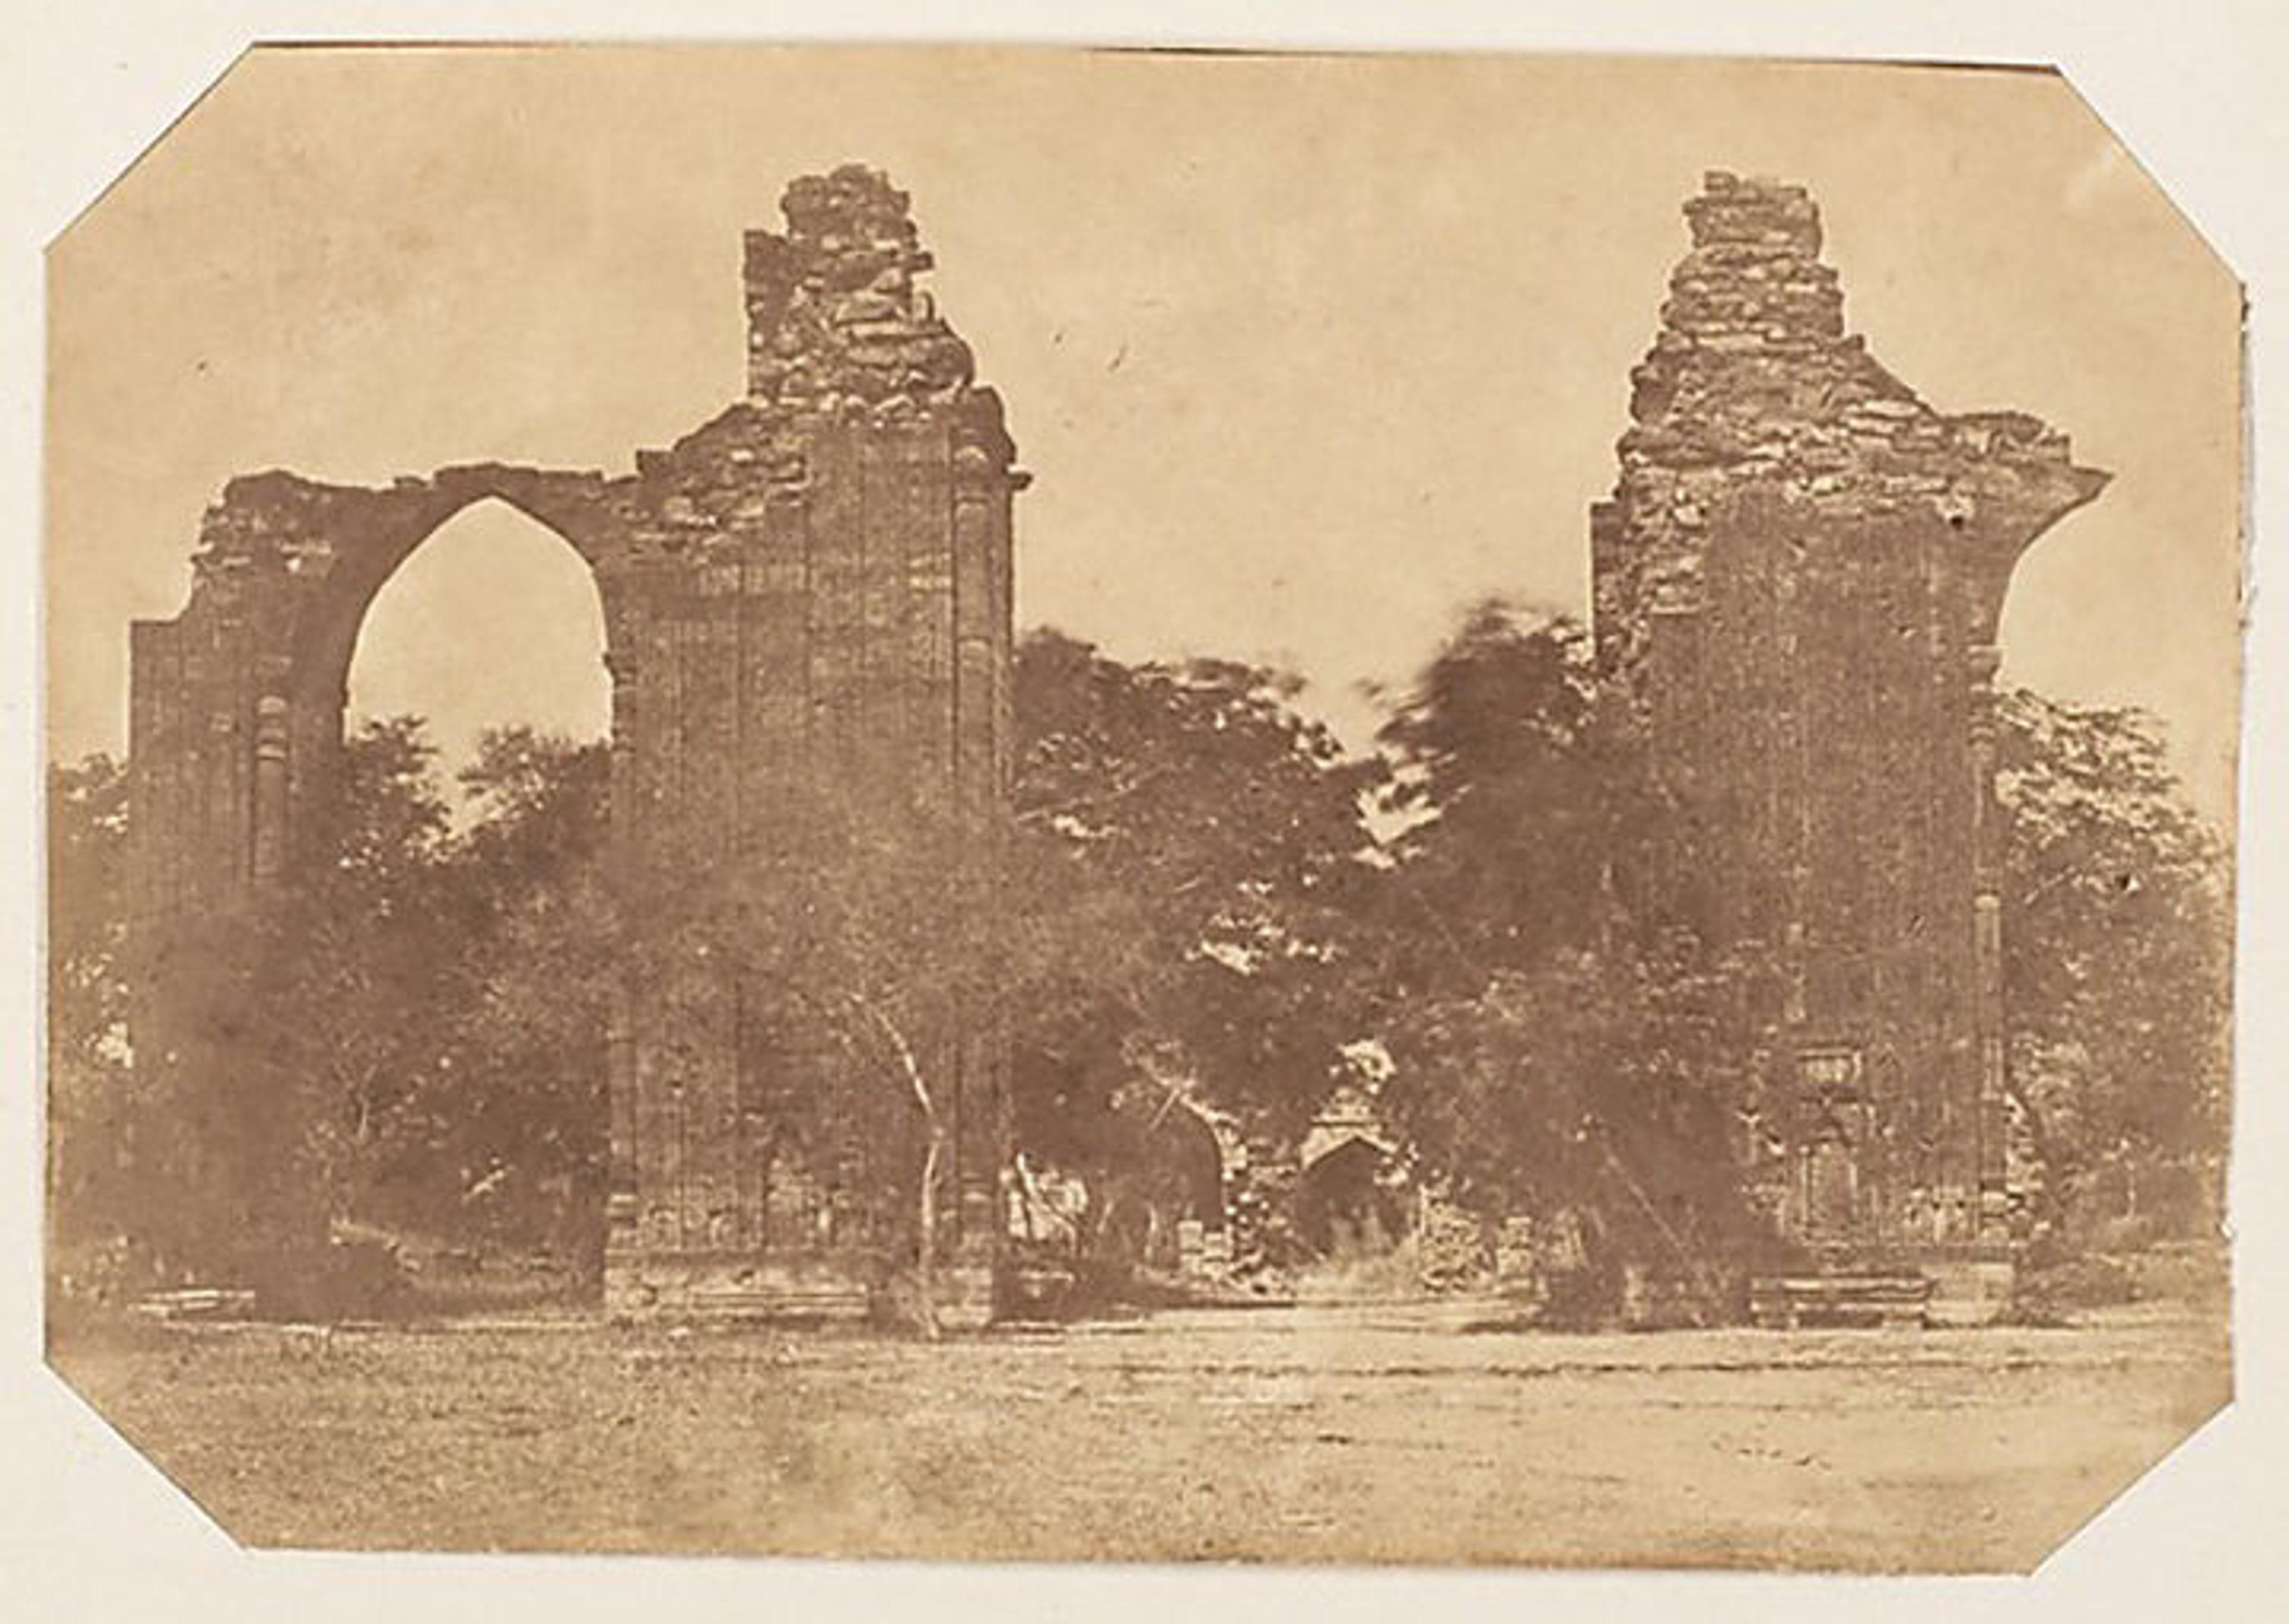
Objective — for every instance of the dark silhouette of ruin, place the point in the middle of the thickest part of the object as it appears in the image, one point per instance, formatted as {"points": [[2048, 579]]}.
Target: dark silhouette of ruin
{"points": [[1798, 581], [811, 591]]}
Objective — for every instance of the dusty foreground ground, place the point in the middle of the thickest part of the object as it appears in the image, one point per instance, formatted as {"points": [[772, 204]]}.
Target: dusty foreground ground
{"points": [[1328, 1434]]}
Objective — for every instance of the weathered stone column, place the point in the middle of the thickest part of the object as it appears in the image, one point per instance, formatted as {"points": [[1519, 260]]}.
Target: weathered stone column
{"points": [[1993, 1219], [974, 627], [620, 1209], [979, 649], [273, 790]]}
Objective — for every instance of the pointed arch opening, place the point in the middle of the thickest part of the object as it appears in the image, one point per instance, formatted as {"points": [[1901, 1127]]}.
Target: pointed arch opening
{"points": [[494, 621]]}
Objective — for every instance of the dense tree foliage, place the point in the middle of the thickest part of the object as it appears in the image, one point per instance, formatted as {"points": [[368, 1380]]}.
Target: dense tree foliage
{"points": [[89, 1083], [1603, 1090], [364, 964], [1551, 1059], [1523, 812], [423, 1024], [502, 1122], [245, 1125], [2117, 964], [1506, 795], [413, 1037], [1200, 905], [1211, 851]]}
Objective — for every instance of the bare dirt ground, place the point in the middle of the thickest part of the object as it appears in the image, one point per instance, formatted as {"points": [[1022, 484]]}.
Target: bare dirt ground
{"points": [[1342, 1434]]}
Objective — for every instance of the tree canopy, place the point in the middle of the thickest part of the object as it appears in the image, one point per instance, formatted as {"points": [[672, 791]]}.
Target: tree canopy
{"points": [[1197, 898], [2117, 966], [1550, 1058], [1222, 840]]}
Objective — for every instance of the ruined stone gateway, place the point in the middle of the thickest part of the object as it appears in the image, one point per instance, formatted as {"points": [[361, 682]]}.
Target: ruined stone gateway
{"points": [[1797, 584], [812, 589]]}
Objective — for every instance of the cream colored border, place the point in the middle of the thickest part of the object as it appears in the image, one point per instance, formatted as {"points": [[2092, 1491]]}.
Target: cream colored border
{"points": [[88, 1531]]}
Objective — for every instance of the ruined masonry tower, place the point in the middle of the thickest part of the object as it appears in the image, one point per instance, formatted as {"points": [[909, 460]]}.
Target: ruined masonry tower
{"points": [[813, 589], [1797, 582]]}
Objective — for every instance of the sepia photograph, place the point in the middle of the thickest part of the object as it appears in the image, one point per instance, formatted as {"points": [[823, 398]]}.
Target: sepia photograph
{"points": [[1036, 804]]}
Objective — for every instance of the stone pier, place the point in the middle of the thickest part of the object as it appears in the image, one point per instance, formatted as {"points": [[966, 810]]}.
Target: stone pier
{"points": [[1797, 584], [811, 590]]}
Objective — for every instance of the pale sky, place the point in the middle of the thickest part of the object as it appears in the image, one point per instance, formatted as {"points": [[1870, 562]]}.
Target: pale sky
{"points": [[1305, 352]]}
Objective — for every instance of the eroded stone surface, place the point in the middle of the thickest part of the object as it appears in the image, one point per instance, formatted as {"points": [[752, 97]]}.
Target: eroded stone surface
{"points": [[1797, 582], [811, 591]]}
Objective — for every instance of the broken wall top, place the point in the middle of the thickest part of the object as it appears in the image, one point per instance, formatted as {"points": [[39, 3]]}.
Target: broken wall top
{"points": [[836, 323], [1752, 382], [841, 340]]}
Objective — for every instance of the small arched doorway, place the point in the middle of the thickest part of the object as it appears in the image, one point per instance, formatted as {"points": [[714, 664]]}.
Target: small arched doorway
{"points": [[1347, 1205], [1165, 1208]]}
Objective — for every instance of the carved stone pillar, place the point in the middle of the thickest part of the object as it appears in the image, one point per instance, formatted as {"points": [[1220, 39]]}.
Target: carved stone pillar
{"points": [[273, 790], [620, 1208], [1993, 1219]]}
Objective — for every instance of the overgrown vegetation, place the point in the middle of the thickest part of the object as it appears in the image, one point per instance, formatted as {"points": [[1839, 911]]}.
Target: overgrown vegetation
{"points": [[2119, 975], [1204, 907]]}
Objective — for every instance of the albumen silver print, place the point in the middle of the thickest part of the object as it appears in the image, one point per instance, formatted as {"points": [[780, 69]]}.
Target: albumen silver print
{"points": [[1023, 804]]}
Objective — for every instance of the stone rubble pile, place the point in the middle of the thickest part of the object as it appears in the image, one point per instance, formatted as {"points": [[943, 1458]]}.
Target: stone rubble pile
{"points": [[837, 326]]}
